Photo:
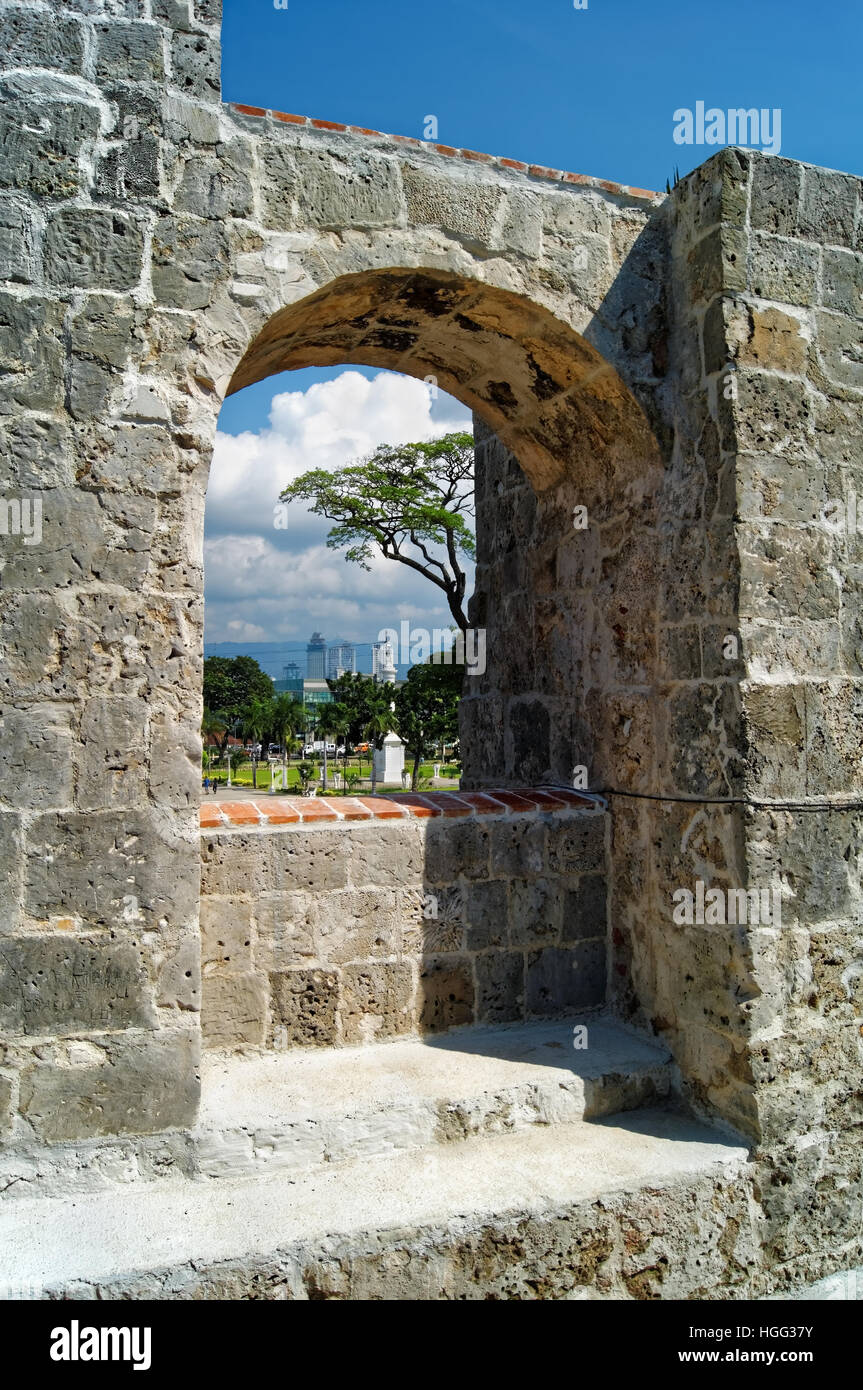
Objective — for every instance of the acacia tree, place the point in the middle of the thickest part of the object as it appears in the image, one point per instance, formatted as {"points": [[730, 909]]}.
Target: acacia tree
{"points": [[408, 502]]}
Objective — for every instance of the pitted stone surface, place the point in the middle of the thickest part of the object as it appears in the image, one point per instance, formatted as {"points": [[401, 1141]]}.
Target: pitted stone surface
{"points": [[682, 374]]}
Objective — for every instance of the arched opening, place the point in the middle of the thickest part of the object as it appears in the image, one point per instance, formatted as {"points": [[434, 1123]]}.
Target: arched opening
{"points": [[566, 475]]}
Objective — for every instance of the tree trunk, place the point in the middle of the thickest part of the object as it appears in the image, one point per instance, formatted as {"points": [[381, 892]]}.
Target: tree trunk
{"points": [[416, 771]]}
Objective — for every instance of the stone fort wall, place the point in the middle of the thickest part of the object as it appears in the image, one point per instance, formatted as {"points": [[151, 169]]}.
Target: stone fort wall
{"points": [[687, 369]]}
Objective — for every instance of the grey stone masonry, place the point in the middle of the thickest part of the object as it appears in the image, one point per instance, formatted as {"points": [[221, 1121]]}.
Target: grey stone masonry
{"points": [[668, 395], [349, 929]]}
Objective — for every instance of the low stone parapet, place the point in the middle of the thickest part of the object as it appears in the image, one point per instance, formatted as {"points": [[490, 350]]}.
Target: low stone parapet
{"points": [[349, 920]]}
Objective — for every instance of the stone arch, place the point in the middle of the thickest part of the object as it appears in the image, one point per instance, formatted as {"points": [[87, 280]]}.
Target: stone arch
{"points": [[550, 396], [568, 603]]}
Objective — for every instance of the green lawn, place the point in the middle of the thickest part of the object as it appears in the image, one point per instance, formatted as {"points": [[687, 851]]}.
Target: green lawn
{"points": [[242, 776]]}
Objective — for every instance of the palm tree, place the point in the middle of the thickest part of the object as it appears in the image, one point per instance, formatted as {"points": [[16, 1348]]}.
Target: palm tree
{"points": [[334, 720], [256, 721], [288, 716], [377, 725], [327, 721], [214, 727]]}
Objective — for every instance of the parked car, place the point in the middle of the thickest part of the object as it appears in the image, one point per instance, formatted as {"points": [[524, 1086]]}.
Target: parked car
{"points": [[318, 747]]}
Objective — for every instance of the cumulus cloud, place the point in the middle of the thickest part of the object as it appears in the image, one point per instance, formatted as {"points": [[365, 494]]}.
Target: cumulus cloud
{"points": [[265, 583]]}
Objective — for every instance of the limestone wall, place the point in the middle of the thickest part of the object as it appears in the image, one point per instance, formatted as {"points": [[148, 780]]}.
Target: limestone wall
{"points": [[372, 919]]}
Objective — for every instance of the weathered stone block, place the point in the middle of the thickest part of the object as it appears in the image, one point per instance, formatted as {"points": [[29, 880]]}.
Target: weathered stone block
{"points": [[36, 756], [717, 190], [88, 248], [585, 909], [529, 729], [304, 1008], [39, 39], [486, 915], [218, 186], [16, 243], [576, 846], [557, 981], [231, 861], [132, 51], [31, 355], [286, 930], [680, 652], [233, 1009], [141, 1083], [518, 846], [60, 984], [178, 973], [456, 847], [500, 986], [842, 282], [462, 208], [534, 911], [385, 855], [783, 270], [785, 575], [195, 65], [839, 349], [769, 415], [775, 199], [43, 160], [112, 868], [363, 191], [522, 224], [717, 264], [226, 934], [175, 761], [11, 876], [176, 13], [112, 764], [446, 993], [827, 207], [834, 724], [358, 925], [184, 252], [376, 1001]]}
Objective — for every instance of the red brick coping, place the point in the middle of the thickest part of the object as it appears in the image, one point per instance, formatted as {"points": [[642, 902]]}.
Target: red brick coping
{"points": [[312, 810], [534, 171]]}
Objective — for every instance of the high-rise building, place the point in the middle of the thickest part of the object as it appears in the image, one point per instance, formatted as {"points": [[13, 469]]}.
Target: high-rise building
{"points": [[292, 680], [383, 662], [341, 658], [316, 657]]}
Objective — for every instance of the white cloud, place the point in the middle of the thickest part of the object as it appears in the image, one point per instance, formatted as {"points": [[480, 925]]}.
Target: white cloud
{"points": [[269, 584]]}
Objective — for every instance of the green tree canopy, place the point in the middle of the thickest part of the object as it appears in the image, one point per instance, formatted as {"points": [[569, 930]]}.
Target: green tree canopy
{"points": [[232, 682], [360, 699], [408, 502], [427, 709]]}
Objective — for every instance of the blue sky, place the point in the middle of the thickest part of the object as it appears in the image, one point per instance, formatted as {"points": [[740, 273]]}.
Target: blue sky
{"points": [[593, 91], [588, 90]]}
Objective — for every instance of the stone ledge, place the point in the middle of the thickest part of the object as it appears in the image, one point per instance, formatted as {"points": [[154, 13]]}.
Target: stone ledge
{"points": [[301, 810], [534, 171]]}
